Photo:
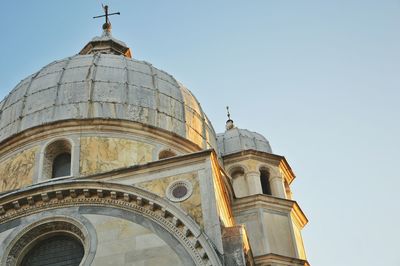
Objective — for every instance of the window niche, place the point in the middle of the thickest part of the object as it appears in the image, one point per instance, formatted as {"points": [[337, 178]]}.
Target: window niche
{"points": [[57, 159], [264, 179]]}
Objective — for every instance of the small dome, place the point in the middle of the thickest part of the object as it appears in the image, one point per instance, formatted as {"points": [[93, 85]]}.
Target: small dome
{"points": [[235, 140], [104, 82]]}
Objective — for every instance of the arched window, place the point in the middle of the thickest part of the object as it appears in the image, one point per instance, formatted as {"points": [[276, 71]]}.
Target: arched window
{"points": [[264, 179], [166, 154], [55, 250], [57, 160]]}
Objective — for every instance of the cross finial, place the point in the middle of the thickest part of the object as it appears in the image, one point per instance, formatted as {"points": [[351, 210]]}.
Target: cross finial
{"points": [[229, 122], [107, 24], [229, 114]]}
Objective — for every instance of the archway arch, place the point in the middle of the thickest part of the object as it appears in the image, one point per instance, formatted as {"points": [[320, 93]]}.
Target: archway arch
{"points": [[113, 199]]}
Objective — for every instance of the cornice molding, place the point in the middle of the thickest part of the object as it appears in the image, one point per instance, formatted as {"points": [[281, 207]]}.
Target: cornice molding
{"points": [[79, 126]]}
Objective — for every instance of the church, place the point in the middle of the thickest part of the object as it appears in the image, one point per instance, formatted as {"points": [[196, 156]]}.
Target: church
{"points": [[107, 160]]}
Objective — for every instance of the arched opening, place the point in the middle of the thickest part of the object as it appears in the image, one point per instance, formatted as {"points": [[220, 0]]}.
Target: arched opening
{"points": [[57, 160], [236, 172], [59, 249], [264, 179], [166, 154]]}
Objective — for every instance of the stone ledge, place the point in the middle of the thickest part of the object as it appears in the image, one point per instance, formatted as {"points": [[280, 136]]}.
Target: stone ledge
{"points": [[279, 260], [270, 203]]}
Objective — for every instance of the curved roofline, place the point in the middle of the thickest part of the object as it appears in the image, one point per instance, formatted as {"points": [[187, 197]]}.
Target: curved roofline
{"points": [[105, 86]]}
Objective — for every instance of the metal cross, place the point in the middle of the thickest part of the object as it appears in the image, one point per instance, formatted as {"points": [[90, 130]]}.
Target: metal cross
{"points": [[106, 14], [229, 114]]}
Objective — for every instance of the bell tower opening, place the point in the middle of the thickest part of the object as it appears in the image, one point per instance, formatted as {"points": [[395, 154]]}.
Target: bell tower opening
{"points": [[264, 179]]}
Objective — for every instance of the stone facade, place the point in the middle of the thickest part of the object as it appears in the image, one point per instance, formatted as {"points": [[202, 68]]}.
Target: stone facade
{"points": [[147, 180]]}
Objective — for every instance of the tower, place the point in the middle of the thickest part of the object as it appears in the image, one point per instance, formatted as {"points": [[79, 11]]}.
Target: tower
{"points": [[263, 198], [107, 160]]}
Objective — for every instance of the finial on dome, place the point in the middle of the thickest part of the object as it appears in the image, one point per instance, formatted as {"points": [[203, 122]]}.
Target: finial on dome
{"points": [[107, 24], [229, 122], [106, 44]]}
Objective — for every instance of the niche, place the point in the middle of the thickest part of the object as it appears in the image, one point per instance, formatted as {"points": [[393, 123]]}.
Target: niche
{"points": [[57, 159]]}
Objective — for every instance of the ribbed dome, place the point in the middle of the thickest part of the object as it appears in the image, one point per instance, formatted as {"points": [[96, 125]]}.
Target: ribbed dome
{"points": [[107, 86], [235, 140]]}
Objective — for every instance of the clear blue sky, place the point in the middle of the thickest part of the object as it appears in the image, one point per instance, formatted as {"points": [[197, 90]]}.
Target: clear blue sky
{"points": [[320, 79]]}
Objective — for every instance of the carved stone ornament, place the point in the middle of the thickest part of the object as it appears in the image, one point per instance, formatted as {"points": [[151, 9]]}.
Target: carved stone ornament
{"points": [[179, 190], [88, 193]]}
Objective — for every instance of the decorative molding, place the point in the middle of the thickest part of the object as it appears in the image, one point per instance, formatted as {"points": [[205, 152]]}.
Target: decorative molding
{"points": [[179, 184], [89, 193], [82, 126]]}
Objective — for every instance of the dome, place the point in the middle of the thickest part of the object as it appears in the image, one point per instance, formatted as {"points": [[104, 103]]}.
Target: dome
{"points": [[235, 140], [103, 82]]}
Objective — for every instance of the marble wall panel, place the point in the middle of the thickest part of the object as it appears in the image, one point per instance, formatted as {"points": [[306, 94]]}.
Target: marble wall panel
{"points": [[17, 171], [121, 242], [102, 154]]}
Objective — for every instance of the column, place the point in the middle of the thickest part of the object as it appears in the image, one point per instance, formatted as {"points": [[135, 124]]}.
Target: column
{"points": [[277, 187], [253, 182]]}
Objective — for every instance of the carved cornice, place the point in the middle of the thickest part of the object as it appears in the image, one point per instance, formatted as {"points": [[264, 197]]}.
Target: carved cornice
{"points": [[88, 193], [156, 166]]}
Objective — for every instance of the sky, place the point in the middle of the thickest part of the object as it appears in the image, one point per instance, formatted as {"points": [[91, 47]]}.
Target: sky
{"points": [[319, 79]]}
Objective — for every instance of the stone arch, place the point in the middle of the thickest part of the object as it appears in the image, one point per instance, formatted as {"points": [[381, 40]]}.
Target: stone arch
{"points": [[56, 159], [118, 197], [45, 225], [236, 170], [238, 179]]}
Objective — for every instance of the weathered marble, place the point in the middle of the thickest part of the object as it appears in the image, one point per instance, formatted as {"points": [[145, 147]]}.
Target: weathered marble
{"points": [[121, 242], [101, 154], [17, 171], [192, 205]]}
